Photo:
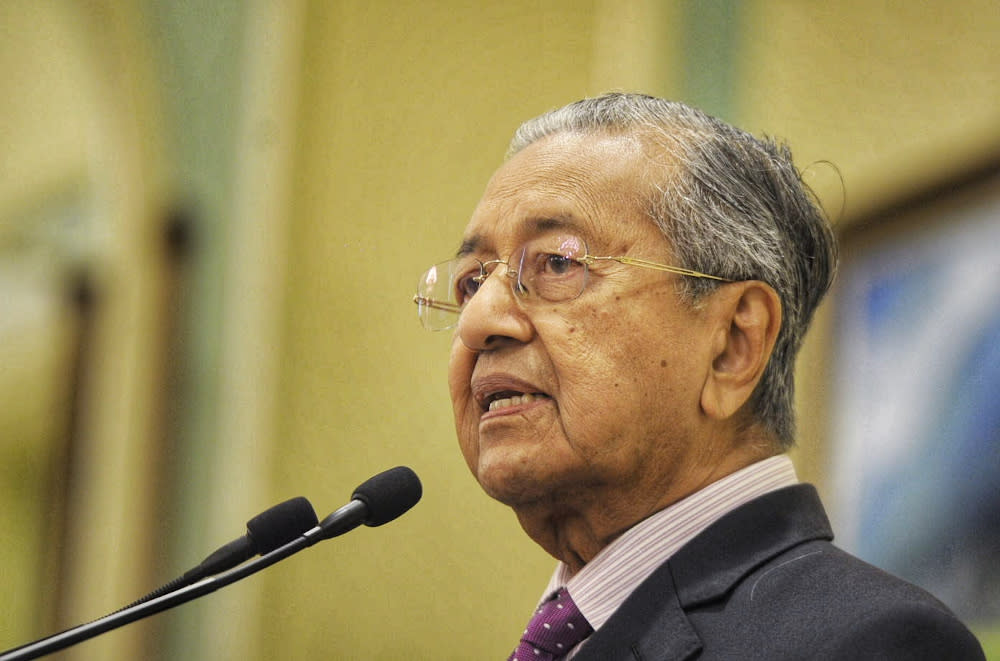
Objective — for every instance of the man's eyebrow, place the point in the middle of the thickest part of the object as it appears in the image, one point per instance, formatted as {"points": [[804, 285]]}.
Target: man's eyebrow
{"points": [[533, 226], [549, 223], [468, 246]]}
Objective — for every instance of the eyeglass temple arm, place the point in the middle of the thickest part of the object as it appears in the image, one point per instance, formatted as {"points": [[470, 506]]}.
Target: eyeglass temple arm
{"points": [[435, 304], [589, 259]]}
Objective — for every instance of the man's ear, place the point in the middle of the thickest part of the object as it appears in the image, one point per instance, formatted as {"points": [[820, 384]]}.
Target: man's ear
{"points": [[748, 317]]}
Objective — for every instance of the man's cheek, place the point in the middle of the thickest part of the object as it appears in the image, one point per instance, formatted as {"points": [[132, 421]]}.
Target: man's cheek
{"points": [[468, 443]]}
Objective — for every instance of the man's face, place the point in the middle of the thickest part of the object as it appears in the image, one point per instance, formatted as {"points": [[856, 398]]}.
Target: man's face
{"points": [[615, 374]]}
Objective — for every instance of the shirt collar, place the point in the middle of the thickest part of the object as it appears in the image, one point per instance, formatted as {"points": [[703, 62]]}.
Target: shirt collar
{"points": [[603, 584]]}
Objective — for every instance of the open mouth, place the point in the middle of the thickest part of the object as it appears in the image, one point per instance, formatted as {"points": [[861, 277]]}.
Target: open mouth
{"points": [[508, 398]]}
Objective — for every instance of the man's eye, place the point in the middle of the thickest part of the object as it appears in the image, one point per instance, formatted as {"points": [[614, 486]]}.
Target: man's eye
{"points": [[466, 286], [552, 264]]}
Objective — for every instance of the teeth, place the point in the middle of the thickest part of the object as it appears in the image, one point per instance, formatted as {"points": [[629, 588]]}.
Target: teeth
{"points": [[526, 398]]}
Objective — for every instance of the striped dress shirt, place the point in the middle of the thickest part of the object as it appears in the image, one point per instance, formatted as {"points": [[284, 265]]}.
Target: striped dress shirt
{"points": [[603, 584]]}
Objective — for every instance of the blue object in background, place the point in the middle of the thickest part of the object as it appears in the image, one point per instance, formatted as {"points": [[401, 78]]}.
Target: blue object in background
{"points": [[916, 409]]}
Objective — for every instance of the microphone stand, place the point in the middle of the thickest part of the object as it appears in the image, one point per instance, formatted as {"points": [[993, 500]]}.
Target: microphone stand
{"points": [[125, 616], [377, 501]]}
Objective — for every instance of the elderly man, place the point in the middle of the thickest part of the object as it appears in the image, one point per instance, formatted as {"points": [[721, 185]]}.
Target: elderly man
{"points": [[628, 300]]}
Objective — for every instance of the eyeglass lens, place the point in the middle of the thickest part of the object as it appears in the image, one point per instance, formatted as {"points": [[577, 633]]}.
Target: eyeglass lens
{"points": [[549, 268]]}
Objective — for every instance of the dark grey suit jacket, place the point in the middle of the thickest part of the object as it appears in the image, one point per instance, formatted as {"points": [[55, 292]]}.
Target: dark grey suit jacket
{"points": [[764, 582]]}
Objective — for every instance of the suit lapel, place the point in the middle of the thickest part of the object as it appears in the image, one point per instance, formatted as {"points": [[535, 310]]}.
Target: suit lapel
{"points": [[720, 557], [652, 624]]}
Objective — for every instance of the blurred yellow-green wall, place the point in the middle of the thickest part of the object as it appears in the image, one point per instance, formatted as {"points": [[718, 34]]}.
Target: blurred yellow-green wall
{"points": [[318, 156]]}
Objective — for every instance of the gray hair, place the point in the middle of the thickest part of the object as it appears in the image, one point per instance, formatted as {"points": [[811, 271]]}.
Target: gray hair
{"points": [[731, 205]]}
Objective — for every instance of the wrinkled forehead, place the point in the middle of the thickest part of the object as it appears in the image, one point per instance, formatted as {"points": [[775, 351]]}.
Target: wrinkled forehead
{"points": [[586, 184]]}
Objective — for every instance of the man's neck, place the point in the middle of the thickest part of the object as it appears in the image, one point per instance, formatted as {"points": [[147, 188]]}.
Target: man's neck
{"points": [[575, 527]]}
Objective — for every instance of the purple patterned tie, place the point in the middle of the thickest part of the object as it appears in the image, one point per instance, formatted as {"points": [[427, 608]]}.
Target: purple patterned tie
{"points": [[555, 629]]}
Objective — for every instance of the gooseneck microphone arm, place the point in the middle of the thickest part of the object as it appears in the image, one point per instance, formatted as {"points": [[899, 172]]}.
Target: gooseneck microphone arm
{"points": [[381, 499], [266, 532]]}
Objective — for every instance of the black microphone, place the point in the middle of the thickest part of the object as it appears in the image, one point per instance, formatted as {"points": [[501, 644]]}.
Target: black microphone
{"points": [[379, 500], [267, 531]]}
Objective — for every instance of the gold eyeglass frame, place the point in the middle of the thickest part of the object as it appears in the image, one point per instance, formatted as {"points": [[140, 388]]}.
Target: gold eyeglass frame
{"points": [[587, 260]]}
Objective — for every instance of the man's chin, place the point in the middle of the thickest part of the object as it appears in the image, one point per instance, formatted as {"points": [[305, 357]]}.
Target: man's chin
{"points": [[512, 485]]}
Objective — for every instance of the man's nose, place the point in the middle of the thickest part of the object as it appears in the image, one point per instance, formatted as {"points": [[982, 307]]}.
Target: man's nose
{"points": [[493, 316]]}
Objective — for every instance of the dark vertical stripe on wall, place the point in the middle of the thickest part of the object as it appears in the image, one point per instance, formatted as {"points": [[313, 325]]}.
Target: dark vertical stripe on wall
{"points": [[710, 36], [199, 48]]}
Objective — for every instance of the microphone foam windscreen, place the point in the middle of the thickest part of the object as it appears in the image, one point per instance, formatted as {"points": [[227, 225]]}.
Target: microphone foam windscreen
{"points": [[389, 494], [281, 524]]}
